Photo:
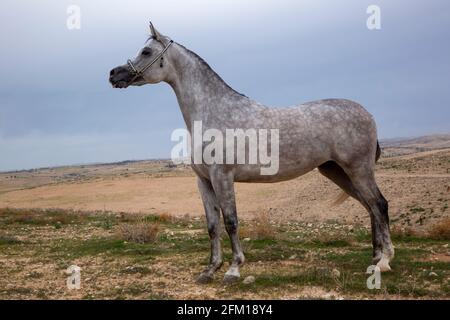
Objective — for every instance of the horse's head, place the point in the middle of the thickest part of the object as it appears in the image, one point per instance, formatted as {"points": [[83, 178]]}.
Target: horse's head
{"points": [[149, 66]]}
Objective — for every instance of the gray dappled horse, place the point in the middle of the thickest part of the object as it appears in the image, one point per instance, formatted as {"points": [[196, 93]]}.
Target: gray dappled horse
{"points": [[336, 136]]}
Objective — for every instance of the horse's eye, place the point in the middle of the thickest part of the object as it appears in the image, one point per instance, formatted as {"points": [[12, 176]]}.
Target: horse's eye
{"points": [[146, 52]]}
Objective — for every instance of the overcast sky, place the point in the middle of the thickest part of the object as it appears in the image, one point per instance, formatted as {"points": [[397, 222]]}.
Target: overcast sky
{"points": [[57, 107]]}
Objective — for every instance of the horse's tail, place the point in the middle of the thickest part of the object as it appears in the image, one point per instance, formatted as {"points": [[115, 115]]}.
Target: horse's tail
{"points": [[343, 196], [378, 152], [340, 199]]}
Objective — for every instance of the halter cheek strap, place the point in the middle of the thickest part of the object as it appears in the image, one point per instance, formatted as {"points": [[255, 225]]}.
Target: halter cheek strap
{"points": [[138, 73]]}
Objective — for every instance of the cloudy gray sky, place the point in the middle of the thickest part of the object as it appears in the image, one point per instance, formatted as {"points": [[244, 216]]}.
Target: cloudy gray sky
{"points": [[57, 107]]}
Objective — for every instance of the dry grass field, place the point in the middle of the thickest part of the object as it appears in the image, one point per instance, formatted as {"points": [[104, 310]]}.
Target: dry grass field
{"points": [[137, 230]]}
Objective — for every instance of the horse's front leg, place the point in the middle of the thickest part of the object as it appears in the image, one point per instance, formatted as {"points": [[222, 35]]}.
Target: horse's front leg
{"points": [[223, 184], [212, 210]]}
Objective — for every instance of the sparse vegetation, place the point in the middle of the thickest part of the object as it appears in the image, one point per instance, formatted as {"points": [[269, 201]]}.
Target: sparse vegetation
{"points": [[40, 216], [139, 232], [417, 209], [8, 240], [260, 228], [440, 230], [164, 264], [400, 232], [328, 239]]}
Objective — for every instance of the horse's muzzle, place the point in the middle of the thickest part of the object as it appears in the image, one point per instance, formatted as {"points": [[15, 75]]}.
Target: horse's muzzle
{"points": [[120, 77]]}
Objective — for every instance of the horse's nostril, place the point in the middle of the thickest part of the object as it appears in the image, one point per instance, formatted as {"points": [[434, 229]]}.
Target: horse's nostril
{"points": [[111, 73]]}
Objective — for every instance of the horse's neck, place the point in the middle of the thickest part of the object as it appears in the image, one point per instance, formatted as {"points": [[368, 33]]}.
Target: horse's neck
{"points": [[201, 93]]}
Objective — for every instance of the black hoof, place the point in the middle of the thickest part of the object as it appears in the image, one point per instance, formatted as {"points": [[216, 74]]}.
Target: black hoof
{"points": [[204, 278]]}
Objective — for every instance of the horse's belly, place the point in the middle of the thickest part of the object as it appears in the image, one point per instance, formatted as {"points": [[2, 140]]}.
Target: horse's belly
{"points": [[284, 172]]}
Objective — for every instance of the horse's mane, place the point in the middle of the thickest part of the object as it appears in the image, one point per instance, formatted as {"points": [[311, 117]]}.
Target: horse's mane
{"points": [[207, 67]]}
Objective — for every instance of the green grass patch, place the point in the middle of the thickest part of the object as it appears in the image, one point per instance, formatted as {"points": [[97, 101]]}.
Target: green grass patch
{"points": [[8, 240], [113, 246], [40, 217], [407, 277], [309, 277], [416, 209], [330, 243], [108, 246]]}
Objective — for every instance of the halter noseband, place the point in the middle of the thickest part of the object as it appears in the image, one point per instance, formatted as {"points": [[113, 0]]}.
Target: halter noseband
{"points": [[137, 72]]}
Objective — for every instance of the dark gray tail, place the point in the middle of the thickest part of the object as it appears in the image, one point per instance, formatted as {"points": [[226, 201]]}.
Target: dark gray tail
{"points": [[378, 152]]}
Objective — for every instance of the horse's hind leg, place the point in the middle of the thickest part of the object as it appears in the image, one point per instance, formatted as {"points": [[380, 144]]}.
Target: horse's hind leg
{"points": [[335, 173], [369, 195], [212, 210], [366, 192]]}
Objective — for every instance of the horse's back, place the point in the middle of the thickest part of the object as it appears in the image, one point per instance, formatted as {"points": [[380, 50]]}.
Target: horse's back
{"points": [[338, 129], [318, 131]]}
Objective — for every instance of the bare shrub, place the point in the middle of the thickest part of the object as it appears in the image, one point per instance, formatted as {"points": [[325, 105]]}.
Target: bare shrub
{"points": [[260, 228], [441, 230], [139, 232], [165, 217], [329, 239], [398, 231]]}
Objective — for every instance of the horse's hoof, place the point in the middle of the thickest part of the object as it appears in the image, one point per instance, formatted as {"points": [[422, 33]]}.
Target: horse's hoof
{"points": [[204, 278], [230, 279], [383, 264]]}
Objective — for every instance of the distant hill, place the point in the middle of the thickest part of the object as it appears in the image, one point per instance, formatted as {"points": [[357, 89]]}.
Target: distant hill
{"points": [[390, 147], [400, 146]]}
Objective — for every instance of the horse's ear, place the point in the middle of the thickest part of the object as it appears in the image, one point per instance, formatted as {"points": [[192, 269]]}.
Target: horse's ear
{"points": [[154, 32]]}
